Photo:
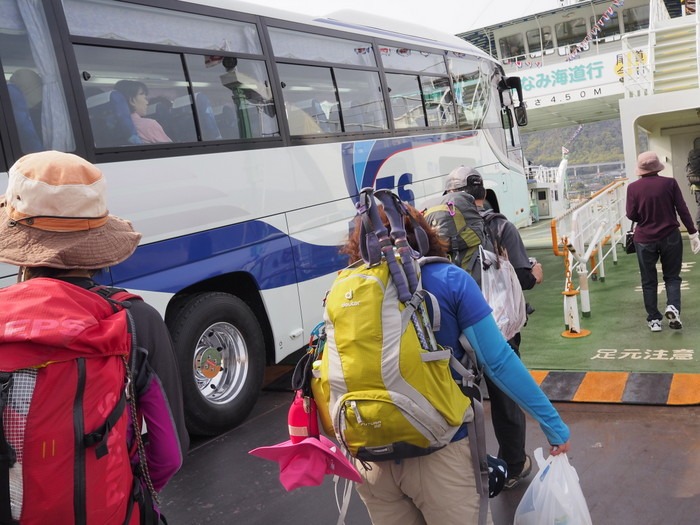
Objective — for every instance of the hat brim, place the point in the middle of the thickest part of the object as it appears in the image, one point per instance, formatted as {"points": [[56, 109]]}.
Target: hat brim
{"points": [[97, 248], [655, 168], [286, 452]]}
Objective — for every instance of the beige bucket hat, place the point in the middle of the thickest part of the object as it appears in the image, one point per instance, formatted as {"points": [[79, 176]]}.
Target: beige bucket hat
{"points": [[54, 214], [647, 163]]}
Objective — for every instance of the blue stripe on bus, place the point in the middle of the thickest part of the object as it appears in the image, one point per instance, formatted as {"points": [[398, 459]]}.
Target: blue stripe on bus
{"points": [[253, 247], [363, 159]]}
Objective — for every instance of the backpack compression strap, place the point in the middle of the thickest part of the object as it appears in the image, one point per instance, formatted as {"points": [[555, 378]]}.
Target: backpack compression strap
{"points": [[7, 454]]}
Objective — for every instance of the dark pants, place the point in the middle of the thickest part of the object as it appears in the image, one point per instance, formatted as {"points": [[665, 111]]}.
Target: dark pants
{"points": [[508, 422], [670, 251]]}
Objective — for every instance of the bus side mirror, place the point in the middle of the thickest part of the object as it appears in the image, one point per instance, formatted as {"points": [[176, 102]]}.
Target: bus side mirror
{"points": [[520, 110]]}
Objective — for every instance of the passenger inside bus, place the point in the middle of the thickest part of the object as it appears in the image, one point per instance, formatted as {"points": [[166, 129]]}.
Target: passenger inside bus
{"points": [[136, 94], [25, 87]]}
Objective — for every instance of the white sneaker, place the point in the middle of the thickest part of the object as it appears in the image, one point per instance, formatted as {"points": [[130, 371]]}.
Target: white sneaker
{"points": [[655, 325], [674, 317]]}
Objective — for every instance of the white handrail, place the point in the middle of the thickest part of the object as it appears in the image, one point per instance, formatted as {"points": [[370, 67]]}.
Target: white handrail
{"points": [[584, 232]]}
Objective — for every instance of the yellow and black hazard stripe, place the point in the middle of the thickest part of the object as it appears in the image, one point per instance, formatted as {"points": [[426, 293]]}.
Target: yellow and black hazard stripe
{"points": [[620, 387]]}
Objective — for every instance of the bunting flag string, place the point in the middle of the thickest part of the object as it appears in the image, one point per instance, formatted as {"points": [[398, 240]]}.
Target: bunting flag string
{"points": [[597, 27]]}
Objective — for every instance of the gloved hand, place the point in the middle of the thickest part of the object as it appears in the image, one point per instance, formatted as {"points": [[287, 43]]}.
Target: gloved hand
{"points": [[694, 243]]}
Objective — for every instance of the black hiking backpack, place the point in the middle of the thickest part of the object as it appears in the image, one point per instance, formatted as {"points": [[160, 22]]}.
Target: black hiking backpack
{"points": [[456, 218]]}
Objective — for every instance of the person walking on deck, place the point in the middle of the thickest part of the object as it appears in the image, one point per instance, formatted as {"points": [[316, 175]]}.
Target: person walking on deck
{"points": [[653, 202]]}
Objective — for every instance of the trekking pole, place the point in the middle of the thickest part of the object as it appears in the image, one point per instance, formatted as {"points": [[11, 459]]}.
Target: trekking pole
{"points": [[396, 212], [374, 233]]}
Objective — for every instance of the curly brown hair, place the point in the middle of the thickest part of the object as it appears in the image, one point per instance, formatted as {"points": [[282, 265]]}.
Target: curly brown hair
{"points": [[437, 245]]}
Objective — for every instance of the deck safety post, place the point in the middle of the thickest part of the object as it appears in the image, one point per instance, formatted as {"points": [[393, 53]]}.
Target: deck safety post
{"points": [[583, 289], [571, 320]]}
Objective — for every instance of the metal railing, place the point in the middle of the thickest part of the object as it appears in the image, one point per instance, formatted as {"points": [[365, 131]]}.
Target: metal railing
{"points": [[585, 236]]}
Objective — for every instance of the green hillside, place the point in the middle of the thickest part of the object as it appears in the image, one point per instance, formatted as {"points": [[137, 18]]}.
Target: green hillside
{"points": [[596, 142]]}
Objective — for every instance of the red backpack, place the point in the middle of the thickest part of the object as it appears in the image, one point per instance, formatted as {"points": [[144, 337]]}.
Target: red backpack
{"points": [[63, 405]]}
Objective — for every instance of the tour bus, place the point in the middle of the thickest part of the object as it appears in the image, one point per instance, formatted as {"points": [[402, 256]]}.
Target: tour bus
{"points": [[242, 167]]}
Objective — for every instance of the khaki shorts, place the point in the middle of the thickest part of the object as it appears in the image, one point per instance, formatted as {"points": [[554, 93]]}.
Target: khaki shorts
{"points": [[438, 489]]}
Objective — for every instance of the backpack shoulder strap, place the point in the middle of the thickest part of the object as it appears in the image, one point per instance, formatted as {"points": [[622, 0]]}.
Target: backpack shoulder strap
{"points": [[493, 231], [113, 295], [433, 259]]}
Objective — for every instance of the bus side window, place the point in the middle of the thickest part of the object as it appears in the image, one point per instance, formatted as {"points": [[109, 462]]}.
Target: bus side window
{"points": [[361, 100], [406, 101], [235, 101], [438, 101], [25, 34], [309, 94], [135, 97]]}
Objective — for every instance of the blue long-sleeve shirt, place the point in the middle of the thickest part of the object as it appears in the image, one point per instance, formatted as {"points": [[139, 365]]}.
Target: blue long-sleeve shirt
{"points": [[463, 310]]}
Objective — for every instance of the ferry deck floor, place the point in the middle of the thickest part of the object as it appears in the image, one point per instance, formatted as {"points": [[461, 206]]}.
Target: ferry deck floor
{"points": [[635, 423]]}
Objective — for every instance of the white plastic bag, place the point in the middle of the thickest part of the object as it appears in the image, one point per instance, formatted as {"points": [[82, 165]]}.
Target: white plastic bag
{"points": [[554, 496], [503, 293]]}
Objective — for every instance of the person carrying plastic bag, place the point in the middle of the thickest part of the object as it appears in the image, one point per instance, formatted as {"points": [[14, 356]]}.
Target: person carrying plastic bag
{"points": [[554, 496]]}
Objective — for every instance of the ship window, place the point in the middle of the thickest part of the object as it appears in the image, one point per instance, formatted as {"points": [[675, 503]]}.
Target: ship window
{"points": [[636, 18], [512, 47], [534, 42], [571, 31], [610, 27]]}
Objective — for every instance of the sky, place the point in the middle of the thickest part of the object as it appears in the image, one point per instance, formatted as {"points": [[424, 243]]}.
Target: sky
{"points": [[451, 16]]}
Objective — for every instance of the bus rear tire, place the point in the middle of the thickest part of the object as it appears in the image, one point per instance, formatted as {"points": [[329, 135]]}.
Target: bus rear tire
{"points": [[221, 354]]}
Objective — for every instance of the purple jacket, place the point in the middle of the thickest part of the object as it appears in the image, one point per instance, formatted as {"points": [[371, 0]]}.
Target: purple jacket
{"points": [[653, 202]]}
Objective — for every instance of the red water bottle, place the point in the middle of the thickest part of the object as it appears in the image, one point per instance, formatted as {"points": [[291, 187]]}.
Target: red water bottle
{"points": [[302, 418]]}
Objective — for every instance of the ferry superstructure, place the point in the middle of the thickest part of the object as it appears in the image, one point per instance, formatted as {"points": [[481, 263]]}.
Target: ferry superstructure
{"points": [[592, 60]]}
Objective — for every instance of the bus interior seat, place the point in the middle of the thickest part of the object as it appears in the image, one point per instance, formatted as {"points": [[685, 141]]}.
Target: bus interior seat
{"points": [[28, 137], [227, 120], [182, 128], [110, 118], [181, 125], [207, 121], [159, 110]]}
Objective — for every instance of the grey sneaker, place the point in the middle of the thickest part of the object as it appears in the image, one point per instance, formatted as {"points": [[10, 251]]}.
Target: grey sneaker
{"points": [[655, 325], [674, 317], [512, 481]]}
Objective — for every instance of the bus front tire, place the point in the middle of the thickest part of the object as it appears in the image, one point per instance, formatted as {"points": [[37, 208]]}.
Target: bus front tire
{"points": [[221, 354]]}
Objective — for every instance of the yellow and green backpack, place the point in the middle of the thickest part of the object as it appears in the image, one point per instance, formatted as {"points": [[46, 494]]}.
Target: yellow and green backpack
{"points": [[383, 386]]}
